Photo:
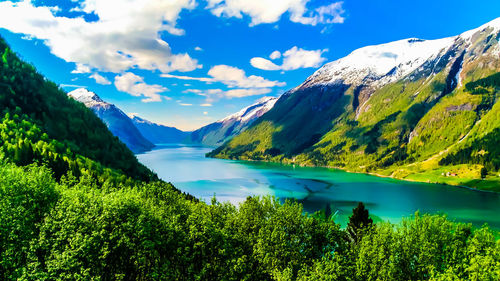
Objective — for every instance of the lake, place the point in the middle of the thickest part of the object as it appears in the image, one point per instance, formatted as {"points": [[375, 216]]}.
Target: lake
{"points": [[387, 199]]}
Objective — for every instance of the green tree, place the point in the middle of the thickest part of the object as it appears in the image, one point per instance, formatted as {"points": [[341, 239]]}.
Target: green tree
{"points": [[358, 222]]}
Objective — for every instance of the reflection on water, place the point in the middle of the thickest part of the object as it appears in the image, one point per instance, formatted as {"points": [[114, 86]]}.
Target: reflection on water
{"points": [[188, 169]]}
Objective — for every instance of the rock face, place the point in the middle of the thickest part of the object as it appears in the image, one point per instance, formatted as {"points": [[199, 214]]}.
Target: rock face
{"points": [[393, 104], [158, 134], [116, 120], [219, 132]]}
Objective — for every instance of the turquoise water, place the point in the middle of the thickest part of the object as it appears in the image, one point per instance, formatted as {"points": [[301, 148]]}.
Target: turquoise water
{"points": [[188, 169]]}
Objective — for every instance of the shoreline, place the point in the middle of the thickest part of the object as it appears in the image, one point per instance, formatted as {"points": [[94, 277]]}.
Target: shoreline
{"points": [[365, 173]]}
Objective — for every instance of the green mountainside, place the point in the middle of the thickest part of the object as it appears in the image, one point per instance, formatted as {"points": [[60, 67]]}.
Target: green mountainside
{"points": [[432, 118], [76, 205], [40, 123]]}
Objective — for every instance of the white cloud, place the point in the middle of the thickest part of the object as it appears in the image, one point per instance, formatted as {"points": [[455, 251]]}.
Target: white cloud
{"points": [[331, 13], [299, 58], [205, 113], [81, 68], [99, 79], [213, 95], [265, 11], [72, 86], [206, 104], [265, 64], [185, 104], [275, 55], [294, 58], [181, 77], [198, 48], [125, 35], [194, 91], [134, 85], [232, 77]]}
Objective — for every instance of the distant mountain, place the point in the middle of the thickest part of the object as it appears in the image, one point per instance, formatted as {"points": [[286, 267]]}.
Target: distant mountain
{"points": [[156, 133], [219, 132], [116, 120], [415, 109]]}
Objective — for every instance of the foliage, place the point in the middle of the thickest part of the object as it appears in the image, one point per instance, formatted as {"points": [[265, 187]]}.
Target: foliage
{"points": [[26, 93], [80, 230]]}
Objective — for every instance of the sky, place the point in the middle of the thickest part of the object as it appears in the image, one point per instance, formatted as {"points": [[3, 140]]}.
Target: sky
{"points": [[187, 63]]}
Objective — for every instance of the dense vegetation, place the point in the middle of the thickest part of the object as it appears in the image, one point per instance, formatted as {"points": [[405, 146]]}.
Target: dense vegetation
{"points": [[76, 230], [441, 119], [27, 97], [75, 209]]}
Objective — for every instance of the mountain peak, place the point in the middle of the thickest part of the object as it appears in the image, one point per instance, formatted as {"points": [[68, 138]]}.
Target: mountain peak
{"points": [[136, 118], [253, 111], [85, 96]]}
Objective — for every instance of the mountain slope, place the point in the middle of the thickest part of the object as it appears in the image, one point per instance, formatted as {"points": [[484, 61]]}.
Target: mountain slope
{"points": [[219, 132], [40, 123], [157, 133], [116, 120], [400, 109]]}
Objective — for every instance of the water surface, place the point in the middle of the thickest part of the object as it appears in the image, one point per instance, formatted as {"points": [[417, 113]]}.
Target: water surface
{"points": [[188, 169]]}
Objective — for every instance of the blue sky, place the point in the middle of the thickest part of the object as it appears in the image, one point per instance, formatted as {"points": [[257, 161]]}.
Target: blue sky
{"points": [[187, 63]]}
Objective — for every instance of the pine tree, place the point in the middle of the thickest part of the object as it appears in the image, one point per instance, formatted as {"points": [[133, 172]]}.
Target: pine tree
{"points": [[358, 222]]}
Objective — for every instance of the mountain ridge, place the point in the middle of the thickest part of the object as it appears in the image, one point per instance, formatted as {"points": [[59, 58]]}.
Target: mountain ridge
{"points": [[157, 133], [115, 119], [388, 109], [226, 128]]}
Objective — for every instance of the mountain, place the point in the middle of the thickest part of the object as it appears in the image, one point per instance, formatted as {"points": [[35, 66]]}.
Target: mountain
{"points": [[413, 109], [219, 132], [116, 120], [157, 133], [41, 124]]}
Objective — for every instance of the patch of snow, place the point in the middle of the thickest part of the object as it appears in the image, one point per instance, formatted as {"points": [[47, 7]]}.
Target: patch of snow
{"points": [[84, 95], [394, 60], [253, 111], [140, 120], [87, 97]]}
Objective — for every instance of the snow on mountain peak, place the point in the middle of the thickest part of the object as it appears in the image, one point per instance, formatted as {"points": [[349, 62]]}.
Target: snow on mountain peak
{"points": [[136, 118], [253, 111], [395, 59], [85, 96], [391, 61]]}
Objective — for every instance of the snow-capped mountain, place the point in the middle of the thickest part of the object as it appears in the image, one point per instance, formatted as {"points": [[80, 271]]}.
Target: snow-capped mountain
{"points": [[219, 132], [382, 64], [157, 133], [396, 103], [116, 120]]}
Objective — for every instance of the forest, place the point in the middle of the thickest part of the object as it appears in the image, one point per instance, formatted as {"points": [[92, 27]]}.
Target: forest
{"points": [[75, 204]]}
